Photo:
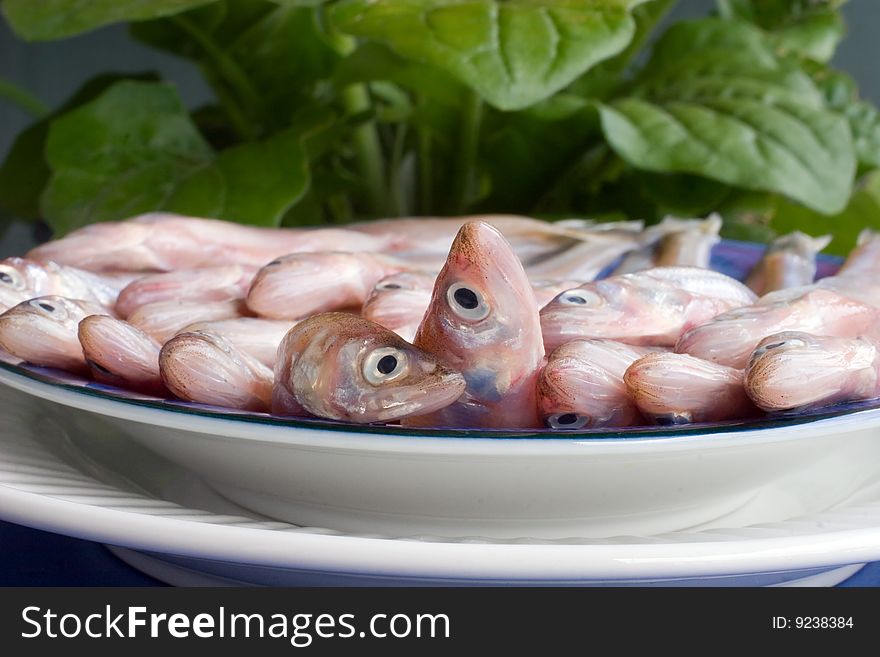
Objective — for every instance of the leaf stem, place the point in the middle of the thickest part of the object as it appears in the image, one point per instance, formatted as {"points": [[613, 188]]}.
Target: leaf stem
{"points": [[368, 148], [426, 180], [24, 99], [247, 101], [465, 164]]}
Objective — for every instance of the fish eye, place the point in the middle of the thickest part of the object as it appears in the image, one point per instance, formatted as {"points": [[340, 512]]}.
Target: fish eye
{"points": [[466, 302], [568, 421], [385, 364], [673, 419], [579, 297], [788, 342], [11, 277], [45, 306]]}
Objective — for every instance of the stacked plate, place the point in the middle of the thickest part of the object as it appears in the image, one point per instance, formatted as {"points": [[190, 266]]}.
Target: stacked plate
{"points": [[198, 495], [74, 470]]}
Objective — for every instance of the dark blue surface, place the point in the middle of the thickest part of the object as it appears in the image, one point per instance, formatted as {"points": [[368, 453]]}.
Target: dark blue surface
{"points": [[29, 557]]}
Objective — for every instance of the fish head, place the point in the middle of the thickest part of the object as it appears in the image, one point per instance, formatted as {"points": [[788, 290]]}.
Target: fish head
{"points": [[582, 385], [22, 279], [299, 284], [205, 367], [398, 302], [482, 318], [349, 368], [795, 369], [627, 308], [672, 388], [43, 331]]}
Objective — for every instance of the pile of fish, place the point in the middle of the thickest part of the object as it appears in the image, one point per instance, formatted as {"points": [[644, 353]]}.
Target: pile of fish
{"points": [[489, 322]]}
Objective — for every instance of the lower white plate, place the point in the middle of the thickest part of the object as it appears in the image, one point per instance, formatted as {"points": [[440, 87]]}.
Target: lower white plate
{"points": [[165, 521]]}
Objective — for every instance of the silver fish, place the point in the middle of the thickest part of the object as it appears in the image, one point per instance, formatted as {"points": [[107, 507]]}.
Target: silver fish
{"points": [[43, 331], [302, 284], [207, 284], [204, 367], [582, 385], [120, 354], [730, 338], [652, 307], [789, 261], [679, 389], [164, 319], [22, 279], [258, 338], [797, 370], [483, 322], [342, 367]]}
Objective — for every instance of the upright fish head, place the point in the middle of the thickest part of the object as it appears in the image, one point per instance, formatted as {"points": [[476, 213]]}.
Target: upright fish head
{"points": [[626, 308], [794, 369], [482, 319], [345, 367], [43, 331]]}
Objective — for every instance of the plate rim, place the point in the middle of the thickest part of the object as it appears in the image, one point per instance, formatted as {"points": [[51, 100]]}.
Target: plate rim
{"points": [[349, 438]]}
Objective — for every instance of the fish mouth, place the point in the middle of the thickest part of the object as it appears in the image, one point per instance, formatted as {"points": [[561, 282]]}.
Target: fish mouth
{"points": [[444, 387]]}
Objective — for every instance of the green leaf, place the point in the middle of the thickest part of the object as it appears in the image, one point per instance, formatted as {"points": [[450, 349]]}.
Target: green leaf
{"points": [[842, 95], [862, 211], [25, 172], [716, 101], [40, 20], [134, 149], [270, 60], [255, 183], [526, 152], [811, 28], [513, 53], [864, 123]]}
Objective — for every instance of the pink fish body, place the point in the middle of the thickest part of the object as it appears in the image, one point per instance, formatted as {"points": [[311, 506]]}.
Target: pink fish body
{"points": [[163, 319], [207, 284], [730, 338], [303, 284], [652, 307], [164, 242]]}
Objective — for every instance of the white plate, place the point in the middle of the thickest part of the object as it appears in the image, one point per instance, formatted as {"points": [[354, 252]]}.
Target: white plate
{"points": [[406, 482], [55, 477]]}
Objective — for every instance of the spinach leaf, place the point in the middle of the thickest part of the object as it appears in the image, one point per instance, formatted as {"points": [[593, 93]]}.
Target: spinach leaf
{"points": [[25, 172], [134, 149], [54, 19], [513, 53], [264, 61], [716, 101], [811, 28]]}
